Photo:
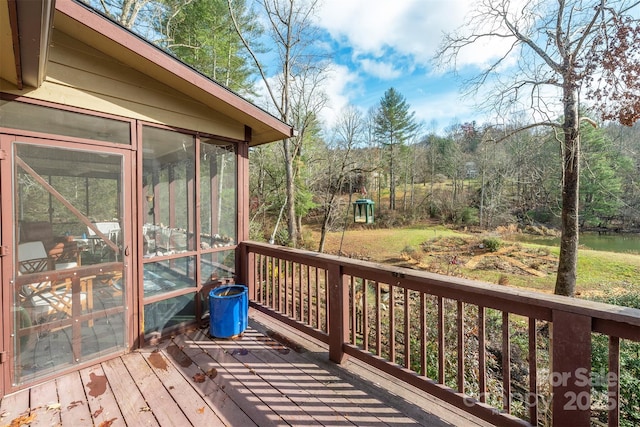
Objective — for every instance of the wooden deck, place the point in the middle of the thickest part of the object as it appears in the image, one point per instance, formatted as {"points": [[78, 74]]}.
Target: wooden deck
{"points": [[268, 377]]}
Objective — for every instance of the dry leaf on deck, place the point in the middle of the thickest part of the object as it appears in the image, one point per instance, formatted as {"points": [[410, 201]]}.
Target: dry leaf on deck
{"points": [[107, 423], [23, 420]]}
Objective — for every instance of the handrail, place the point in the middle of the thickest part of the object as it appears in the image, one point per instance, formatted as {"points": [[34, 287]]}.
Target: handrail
{"points": [[447, 286], [341, 301]]}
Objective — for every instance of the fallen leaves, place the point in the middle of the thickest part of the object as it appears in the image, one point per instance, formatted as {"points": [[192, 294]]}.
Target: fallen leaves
{"points": [[199, 377], [212, 373], [107, 423], [22, 420], [74, 404]]}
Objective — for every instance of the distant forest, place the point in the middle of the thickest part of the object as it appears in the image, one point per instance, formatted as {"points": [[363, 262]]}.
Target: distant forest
{"points": [[460, 177]]}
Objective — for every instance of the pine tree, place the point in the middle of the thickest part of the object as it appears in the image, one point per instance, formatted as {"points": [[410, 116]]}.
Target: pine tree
{"points": [[394, 124]]}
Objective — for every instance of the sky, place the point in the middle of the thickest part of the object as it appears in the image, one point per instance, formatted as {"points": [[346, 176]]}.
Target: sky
{"points": [[379, 44]]}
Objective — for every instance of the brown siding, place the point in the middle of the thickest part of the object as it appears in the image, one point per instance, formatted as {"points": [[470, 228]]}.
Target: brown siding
{"points": [[81, 76]]}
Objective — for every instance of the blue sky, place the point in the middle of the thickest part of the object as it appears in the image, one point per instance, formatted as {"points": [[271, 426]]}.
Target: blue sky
{"points": [[378, 44]]}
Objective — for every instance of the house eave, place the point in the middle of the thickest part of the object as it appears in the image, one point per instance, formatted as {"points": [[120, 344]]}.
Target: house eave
{"points": [[93, 29], [24, 42]]}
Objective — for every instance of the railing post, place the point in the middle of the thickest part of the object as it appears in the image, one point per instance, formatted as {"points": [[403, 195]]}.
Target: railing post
{"points": [[338, 313], [571, 375], [245, 268]]}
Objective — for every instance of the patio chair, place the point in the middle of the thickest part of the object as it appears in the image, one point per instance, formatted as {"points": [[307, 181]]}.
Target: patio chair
{"points": [[32, 257], [62, 251], [111, 229], [45, 298]]}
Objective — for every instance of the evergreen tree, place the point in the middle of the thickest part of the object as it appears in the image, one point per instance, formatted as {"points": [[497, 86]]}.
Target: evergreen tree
{"points": [[202, 34], [394, 124], [601, 179]]}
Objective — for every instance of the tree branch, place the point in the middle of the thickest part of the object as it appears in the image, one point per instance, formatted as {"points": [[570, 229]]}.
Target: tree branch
{"points": [[254, 57]]}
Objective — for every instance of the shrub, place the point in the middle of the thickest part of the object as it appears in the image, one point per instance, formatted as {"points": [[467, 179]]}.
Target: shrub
{"points": [[492, 243], [469, 216]]}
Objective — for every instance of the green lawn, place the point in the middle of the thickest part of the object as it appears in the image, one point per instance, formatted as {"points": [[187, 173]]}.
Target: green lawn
{"points": [[599, 273]]}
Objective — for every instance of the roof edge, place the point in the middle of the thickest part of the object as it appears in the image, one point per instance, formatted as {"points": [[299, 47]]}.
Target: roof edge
{"points": [[244, 110], [34, 22]]}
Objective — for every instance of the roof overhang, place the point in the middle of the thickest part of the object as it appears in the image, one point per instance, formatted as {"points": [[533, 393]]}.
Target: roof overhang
{"points": [[25, 28], [29, 48]]}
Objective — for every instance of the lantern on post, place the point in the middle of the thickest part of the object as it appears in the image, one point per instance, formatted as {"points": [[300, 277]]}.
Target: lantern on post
{"points": [[363, 211]]}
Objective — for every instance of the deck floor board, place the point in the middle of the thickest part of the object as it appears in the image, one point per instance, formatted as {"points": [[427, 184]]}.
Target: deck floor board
{"points": [[190, 379], [73, 401], [15, 405], [159, 401], [132, 403], [45, 408]]}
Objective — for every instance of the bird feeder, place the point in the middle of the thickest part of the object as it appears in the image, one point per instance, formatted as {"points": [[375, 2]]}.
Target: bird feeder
{"points": [[363, 211]]}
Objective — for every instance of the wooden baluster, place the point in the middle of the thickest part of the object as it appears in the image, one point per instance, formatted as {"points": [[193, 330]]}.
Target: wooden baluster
{"points": [[613, 382], [317, 299], [378, 319], [300, 294], [423, 334], [365, 317], [482, 358], [309, 307], [407, 330], [532, 399], [460, 325], [354, 313], [280, 297], [271, 284], [441, 340], [392, 324], [506, 363], [250, 277], [284, 287]]}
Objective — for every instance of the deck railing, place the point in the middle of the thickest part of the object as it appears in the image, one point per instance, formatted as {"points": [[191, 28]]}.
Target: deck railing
{"points": [[508, 356]]}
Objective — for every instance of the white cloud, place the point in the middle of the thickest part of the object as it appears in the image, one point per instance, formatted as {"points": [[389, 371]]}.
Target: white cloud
{"points": [[411, 27], [392, 44], [379, 69], [338, 86]]}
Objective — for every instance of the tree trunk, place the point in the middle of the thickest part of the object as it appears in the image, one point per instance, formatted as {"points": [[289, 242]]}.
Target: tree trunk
{"points": [[568, 261], [291, 196], [325, 224], [392, 181]]}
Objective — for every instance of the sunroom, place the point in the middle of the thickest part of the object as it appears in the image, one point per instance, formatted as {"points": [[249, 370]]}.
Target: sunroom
{"points": [[123, 189]]}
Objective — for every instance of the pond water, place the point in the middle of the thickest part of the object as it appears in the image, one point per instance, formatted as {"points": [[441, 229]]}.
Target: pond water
{"points": [[598, 242]]}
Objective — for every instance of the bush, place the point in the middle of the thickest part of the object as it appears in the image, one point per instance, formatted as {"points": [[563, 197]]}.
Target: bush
{"points": [[492, 243], [469, 216], [411, 253]]}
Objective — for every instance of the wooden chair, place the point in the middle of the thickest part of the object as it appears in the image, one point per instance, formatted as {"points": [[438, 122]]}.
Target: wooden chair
{"points": [[62, 251], [43, 299], [32, 257]]}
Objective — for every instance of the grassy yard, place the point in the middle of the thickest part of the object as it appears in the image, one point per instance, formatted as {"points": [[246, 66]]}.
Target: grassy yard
{"points": [[528, 266]]}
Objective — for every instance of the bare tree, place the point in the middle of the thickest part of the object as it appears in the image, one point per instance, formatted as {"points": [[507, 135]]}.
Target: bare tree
{"points": [[291, 28], [339, 164], [557, 44]]}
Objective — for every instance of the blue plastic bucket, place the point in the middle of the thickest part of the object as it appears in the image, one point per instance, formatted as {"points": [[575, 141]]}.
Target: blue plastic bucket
{"points": [[228, 310]]}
